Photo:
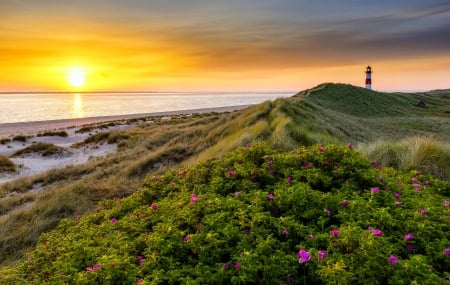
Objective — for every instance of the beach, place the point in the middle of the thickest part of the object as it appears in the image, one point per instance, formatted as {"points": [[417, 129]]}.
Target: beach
{"points": [[35, 163]]}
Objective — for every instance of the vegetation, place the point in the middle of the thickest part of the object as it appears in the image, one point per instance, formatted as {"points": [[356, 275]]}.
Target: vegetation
{"points": [[49, 134], [5, 140], [20, 138], [6, 165], [329, 113], [44, 149], [321, 215]]}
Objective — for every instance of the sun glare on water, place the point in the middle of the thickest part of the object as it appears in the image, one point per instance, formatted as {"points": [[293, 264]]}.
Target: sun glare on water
{"points": [[76, 76]]}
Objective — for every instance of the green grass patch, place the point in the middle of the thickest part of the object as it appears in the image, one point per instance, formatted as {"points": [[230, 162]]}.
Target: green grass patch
{"points": [[53, 134]]}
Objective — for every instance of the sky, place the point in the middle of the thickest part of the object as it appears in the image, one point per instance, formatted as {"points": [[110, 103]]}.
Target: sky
{"points": [[229, 45]]}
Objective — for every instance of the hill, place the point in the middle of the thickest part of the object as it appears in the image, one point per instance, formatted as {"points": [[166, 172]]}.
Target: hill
{"points": [[329, 113]]}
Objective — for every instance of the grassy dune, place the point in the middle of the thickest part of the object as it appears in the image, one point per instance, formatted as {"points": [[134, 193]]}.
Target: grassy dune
{"points": [[329, 113]]}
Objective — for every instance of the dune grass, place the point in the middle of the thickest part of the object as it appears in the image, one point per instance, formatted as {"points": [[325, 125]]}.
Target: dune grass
{"points": [[44, 149], [53, 134], [326, 114], [425, 154], [6, 165]]}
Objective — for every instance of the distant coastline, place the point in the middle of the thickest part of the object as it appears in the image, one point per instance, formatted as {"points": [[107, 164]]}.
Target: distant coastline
{"points": [[33, 127]]}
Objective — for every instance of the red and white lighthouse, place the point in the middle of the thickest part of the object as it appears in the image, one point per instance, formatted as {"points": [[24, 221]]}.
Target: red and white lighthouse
{"points": [[369, 77]]}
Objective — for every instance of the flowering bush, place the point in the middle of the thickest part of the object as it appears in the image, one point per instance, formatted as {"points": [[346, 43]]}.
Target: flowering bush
{"points": [[319, 215]]}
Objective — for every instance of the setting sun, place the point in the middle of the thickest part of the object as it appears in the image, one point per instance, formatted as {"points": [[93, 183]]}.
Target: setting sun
{"points": [[76, 76]]}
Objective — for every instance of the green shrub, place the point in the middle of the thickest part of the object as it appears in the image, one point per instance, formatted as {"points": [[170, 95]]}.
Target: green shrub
{"points": [[245, 218], [49, 134]]}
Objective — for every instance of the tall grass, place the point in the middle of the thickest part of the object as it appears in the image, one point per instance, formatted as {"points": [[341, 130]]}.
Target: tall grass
{"points": [[425, 154], [6, 165]]}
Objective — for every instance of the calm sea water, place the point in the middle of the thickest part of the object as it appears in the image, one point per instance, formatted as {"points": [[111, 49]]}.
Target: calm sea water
{"points": [[40, 107]]}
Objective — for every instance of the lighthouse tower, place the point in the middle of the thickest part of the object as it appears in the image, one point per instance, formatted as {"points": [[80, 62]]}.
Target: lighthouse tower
{"points": [[369, 77]]}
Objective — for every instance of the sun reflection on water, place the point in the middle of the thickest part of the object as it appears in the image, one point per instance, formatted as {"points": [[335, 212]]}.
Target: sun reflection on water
{"points": [[77, 106]]}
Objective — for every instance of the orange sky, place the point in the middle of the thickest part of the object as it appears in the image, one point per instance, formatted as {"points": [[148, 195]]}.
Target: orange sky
{"points": [[196, 45]]}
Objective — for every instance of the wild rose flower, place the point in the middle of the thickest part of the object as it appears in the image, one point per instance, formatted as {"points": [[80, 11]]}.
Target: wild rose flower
{"points": [[230, 172], [327, 211], [96, 266], [311, 236], [377, 233], [322, 254], [375, 189], [78, 217], [344, 203], [445, 203], [409, 247], [289, 179], [425, 183], [236, 265], [350, 145], [194, 198], [335, 233], [139, 281], [140, 259], [113, 221], [89, 269], [269, 163], [393, 259], [321, 149], [225, 266], [249, 145], [446, 251], [423, 212], [270, 197], [285, 232], [414, 179], [154, 206], [186, 238], [409, 237], [304, 256], [373, 162], [398, 203], [397, 195], [307, 166]]}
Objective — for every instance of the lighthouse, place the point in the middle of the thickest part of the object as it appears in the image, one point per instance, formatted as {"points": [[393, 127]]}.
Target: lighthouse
{"points": [[369, 77]]}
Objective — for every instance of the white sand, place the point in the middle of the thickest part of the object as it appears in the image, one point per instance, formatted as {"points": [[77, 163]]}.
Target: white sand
{"points": [[33, 164]]}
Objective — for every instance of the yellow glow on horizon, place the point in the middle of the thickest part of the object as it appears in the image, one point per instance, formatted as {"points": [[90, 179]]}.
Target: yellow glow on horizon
{"points": [[77, 106], [76, 76]]}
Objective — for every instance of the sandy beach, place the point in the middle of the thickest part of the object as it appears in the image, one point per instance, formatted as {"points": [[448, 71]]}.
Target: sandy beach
{"points": [[34, 163]]}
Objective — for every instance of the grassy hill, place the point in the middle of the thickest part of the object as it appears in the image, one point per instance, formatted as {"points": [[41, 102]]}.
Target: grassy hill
{"points": [[328, 113]]}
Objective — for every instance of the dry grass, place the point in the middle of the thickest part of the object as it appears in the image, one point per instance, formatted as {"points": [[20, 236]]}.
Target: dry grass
{"points": [[6, 165], [44, 149]]}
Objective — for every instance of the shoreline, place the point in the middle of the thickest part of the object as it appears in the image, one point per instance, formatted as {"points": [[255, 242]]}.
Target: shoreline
{"points": [[34, 127]]}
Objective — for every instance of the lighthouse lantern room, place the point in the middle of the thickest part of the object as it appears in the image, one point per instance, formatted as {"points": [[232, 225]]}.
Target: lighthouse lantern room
{"points": [[369, 77]]}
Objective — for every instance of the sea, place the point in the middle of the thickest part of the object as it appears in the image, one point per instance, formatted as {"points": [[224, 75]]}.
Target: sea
{"points": [[30, 107]]}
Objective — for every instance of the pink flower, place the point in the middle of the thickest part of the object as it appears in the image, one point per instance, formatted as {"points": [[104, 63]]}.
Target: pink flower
{"points": [[307, 166], [373, 162], [377, 233], [397, 195], [446, 251], [393, 259], [344, 203], [269, 163], [140, 259], [311, 236], [289, 179], [140, 281], [409, 247], [304, 256], [225, 266], [96, 266], [154, 206], [285, 232], [409, 237], [249, 145], [236, 265], [186, 238], [335, 233], [321, 149], [322, 254], [398, 203], [414, 179], [194, 198], [375, 189], [78, 217], [113, 221], [270, 197], [237, 194], [89, 269], [327, 211], [445, 203], [230, 172], [423, 212], [350, 145]]}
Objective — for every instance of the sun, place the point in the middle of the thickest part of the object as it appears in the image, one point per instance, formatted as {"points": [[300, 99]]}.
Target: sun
{"points": [[76, 76]]}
